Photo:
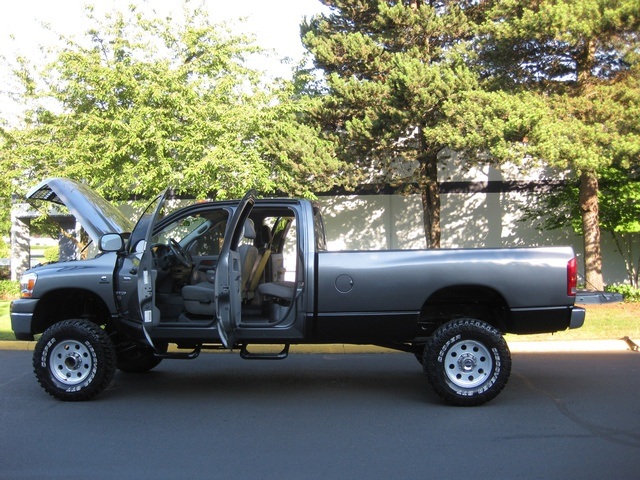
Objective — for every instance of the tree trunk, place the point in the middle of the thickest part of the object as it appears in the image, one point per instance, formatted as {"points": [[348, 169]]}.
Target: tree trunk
{"points": [[430, 192], [591, 231]]}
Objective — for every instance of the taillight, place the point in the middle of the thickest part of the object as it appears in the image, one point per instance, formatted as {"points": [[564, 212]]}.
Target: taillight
{"points": [[572, 277]]}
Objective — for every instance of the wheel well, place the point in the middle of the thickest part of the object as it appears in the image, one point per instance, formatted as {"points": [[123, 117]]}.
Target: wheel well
{"points": [[69, 303], [473, 301]]}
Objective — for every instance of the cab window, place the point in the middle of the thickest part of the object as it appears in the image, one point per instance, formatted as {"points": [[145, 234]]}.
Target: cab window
{"points": [[201, 233]]}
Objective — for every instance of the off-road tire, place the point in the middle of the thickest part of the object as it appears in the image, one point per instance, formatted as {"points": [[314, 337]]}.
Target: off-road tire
{"points": [[467, 362], [74, 360]]}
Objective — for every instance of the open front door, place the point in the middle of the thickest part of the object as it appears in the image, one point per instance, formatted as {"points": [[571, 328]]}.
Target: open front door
{"points": [[228, 280], [146, 270]]}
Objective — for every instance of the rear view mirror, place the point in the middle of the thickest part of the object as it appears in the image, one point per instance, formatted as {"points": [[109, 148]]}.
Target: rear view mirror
{"points": [[111, 242]]}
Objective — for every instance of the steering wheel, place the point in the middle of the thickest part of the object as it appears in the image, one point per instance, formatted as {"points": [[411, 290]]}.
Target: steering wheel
{"points": [[180, 254]]}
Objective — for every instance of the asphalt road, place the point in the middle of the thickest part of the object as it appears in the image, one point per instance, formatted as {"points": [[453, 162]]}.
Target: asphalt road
{"points": [[326, 416]]}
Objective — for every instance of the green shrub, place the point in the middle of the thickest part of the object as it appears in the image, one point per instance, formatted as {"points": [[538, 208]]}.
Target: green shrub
{"points": [[52, 254], [9, 290], [5, 252], [631, 293], [5, 249]]}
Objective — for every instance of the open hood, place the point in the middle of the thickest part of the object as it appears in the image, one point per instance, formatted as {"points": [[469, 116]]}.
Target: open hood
{"points": [[95, 214]]}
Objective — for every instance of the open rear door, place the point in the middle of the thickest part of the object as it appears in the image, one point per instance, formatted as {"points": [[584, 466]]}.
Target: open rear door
{"points": [[228, 280]]}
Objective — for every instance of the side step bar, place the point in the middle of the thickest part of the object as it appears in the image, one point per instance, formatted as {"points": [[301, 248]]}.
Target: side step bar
{"points": [[247, 355], [179, 355]]}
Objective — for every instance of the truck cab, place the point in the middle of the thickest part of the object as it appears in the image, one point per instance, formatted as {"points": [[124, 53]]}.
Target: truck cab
{"points": [[208, 273], [221, 272]]}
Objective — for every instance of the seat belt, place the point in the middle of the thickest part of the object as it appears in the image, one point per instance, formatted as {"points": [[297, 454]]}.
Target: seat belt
{"points": [[257, 273]]}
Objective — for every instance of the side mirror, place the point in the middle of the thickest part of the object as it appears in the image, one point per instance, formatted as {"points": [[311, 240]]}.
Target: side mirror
{"points": [[111, 242]]}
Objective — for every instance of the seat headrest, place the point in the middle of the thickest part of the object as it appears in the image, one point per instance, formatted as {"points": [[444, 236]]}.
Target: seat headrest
{"points": [[265, 235], [249, 230]]}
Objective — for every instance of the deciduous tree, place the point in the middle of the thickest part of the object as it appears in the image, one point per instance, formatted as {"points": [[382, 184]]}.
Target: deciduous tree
{"points": [[145, 102]]}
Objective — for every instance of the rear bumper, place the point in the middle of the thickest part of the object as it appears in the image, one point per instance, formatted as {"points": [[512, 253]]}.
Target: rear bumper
{"points": [[545, 319], [577, 317]]}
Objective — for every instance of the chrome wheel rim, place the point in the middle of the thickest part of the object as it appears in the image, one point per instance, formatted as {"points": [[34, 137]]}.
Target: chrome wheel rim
{"points": [[71, 362], [468, 363]]}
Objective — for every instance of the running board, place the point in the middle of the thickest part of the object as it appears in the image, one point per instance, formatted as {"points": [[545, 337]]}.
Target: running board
{"points": [[247, 355], [179, 355]]}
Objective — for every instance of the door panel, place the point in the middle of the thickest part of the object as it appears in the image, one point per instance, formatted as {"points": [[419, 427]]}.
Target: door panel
{"points": [[137, 273], [228, 281]]}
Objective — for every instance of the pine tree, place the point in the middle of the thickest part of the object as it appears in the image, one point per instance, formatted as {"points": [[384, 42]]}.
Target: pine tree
{"points": [[395, 72], [580, 57]]}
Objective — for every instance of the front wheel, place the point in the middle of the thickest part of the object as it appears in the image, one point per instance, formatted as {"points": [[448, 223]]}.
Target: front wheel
{"points": [[74, 360], [467, 362]]}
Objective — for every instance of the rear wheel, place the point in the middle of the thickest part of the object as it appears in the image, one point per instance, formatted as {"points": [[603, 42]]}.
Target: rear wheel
{"points": [[74, 360], [467, 362]]}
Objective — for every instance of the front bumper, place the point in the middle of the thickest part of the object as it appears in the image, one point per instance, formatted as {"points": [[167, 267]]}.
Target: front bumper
{"points": [[577, 317], [22, 317]]}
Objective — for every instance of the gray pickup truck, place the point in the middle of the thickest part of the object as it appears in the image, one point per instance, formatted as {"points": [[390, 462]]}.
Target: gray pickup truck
{"points": [[241, 274]]}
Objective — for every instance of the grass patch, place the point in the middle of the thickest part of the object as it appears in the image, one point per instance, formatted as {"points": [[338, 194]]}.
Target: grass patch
{"points": [[9, 289], [5, 322], [603, 322]]}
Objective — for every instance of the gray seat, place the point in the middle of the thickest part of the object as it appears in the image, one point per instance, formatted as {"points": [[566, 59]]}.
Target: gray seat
{"points": [[280, 290], [198, 298]]}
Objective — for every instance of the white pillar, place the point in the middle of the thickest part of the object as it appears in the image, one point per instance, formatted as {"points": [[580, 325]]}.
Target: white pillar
{"points": [[20, 243]]}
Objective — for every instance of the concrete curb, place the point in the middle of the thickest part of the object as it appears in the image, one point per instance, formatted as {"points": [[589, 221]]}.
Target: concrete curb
{"points": [[16, 345], [515, 347]]}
